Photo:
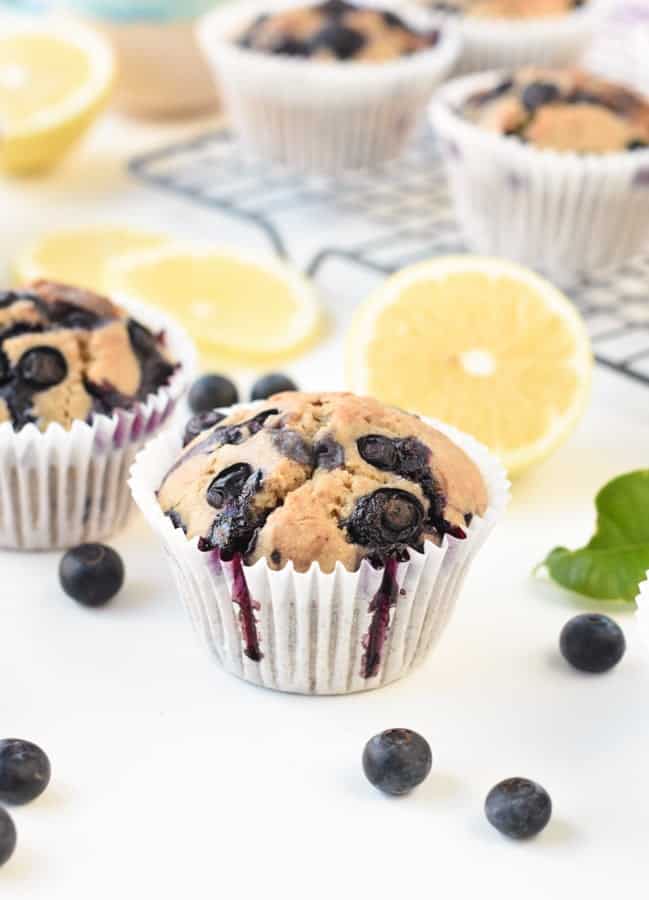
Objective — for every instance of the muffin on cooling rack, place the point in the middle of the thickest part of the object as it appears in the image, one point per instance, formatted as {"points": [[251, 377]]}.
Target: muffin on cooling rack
{"points": [[329, 87], [82, 383], [320, 540], [506, 33], [548, 166]]}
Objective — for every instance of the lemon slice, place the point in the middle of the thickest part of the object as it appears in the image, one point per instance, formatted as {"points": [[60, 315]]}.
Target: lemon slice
{"points": [[80, 255], [483, 344], [54, 79], [233, 304]]}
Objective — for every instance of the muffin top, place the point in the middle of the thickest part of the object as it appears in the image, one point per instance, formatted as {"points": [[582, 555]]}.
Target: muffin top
{"points": [[336, 30], [508, 9], [320, 477], [66, 354], [564, 110]]}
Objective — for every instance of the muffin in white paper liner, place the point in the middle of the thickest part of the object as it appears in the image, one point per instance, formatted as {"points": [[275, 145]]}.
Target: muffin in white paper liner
{"points": [[312, 632], [510, 43], [322, 117], [59, 488], [564, 213], [643, 611]]}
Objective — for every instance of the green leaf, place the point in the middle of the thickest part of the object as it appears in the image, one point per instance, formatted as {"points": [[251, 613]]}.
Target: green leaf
{"points": [[616, 559]]}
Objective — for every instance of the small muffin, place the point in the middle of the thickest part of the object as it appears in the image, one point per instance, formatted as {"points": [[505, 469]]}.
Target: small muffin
{"points": [[509, 9], [67, 354], [336, 30], [329, 87], [563, 110], [321, 478]]}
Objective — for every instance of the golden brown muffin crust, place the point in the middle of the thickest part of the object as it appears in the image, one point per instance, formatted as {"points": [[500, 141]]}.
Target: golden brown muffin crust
{"points": [[322, 478]]}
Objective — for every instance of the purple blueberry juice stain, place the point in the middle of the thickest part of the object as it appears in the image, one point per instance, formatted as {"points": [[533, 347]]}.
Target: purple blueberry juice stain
{"points": [[247, 606], [382, 602]]}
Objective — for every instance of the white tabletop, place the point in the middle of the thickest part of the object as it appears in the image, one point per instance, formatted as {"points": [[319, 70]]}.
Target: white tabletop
{"points": [[171, 778]]}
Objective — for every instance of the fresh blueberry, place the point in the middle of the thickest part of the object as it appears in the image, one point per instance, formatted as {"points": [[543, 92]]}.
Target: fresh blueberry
{"points": [[274, 383], [199, 423], [592, 643], [538, 94], [43, 367], [211, 392], [24, 771], [92, 574], [228, 484], [518, 808], [7, 837], [396, 761]]}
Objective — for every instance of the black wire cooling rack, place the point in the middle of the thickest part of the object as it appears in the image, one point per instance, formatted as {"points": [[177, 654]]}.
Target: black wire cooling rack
{"points": [[379, 221]]}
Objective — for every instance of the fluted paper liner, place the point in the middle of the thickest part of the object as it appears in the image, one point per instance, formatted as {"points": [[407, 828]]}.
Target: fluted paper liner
{"points": [[322, 117], [312, 628], [59, 488], [510, 43], [564, 213]]}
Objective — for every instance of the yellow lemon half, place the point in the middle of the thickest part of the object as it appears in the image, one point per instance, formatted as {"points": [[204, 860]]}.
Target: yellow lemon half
{"points": [[483, 344], [81, 254], [54, 79], [234, 305]]}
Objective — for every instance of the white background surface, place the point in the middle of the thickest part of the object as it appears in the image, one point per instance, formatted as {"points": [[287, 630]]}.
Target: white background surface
{"points": [[172, 779]]}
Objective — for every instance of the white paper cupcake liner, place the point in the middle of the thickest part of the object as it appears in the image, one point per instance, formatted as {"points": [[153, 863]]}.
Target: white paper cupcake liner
{"points": [[60, 488], [317, 633], [322, 117], [564, 213], [643, 611], [510, 43]]}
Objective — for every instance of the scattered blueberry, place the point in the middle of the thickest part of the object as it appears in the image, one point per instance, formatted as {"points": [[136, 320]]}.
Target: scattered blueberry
{"points": [[24, 772], [211, 392], [518, 808], [92, 574], [267, 385], [7, 837], [396, 761], [592, 643], [538, 93]]}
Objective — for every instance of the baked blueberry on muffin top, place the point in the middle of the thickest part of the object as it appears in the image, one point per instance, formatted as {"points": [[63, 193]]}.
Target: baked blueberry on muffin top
{"points": [[563, 110], [321, 477], [508, 9], [336, 30], [67, 353]]}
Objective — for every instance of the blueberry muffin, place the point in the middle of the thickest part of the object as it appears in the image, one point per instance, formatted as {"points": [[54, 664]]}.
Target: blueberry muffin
{"points": [[320, 477], [336, 30], [67, 354], [563, 110], [508, 9]]}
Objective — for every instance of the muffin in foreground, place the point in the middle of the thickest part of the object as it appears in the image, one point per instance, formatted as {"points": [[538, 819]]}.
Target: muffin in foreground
{"points": [[319, 540], [326, 87], [549, 167], [82, 383]]}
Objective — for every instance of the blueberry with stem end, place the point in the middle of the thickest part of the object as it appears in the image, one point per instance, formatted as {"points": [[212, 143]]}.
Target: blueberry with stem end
{"points": [[397, 761], [274, 383], [592, 643], [7, 837], [518, 808], [92, 574], [212, 392], [24, 771]]}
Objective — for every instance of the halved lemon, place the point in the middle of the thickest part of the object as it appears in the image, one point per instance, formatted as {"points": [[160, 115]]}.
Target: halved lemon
{"points": [[80, 255], [483, 344], [55, 77], [234, 305]]}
